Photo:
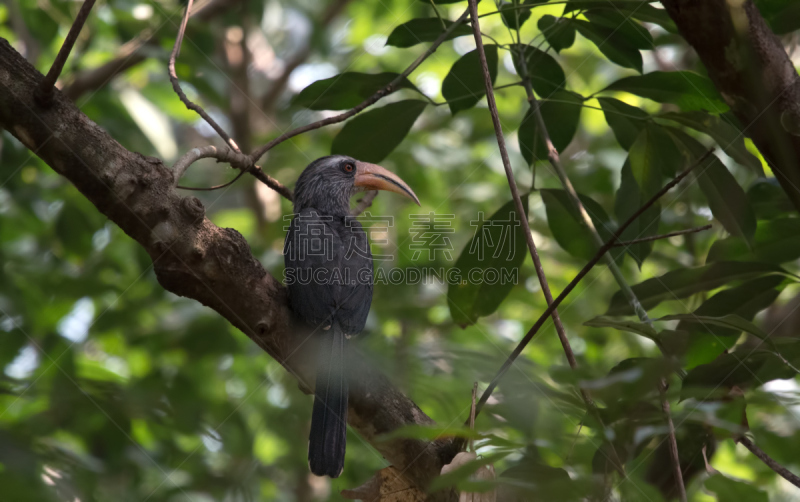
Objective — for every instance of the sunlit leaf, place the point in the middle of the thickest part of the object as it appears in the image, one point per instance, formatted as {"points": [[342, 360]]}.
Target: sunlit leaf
{"points": [[686, 89], [638, 328], [725, 197], [729, 489], [727, 136]]}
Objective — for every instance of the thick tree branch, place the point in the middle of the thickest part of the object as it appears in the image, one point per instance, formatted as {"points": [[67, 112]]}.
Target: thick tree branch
{"points": [[753, 73], [196, 259]]}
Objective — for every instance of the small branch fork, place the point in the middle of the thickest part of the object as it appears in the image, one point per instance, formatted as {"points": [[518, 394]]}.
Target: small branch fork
{"points": [[44, 93], [247, 162], [663, 236]]}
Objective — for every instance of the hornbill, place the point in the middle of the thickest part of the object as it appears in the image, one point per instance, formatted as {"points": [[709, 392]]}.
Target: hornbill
{"points": [[329, 277]]}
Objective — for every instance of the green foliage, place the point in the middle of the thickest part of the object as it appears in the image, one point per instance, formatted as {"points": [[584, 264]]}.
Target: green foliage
{"points": [[373, 135], [561, 113], [686, 89], [346, 90], [463, 86], [423, 30], [498, 247]]}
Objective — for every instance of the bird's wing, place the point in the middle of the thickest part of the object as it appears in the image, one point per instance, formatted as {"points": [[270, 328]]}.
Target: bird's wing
{"points": [[328, 270]]}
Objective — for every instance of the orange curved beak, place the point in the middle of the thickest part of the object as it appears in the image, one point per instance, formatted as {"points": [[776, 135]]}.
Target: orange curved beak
{"points": [[375, 177]]}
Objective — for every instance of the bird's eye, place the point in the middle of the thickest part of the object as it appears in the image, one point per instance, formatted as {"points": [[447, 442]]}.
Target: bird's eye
{"points": [[349, 168]]}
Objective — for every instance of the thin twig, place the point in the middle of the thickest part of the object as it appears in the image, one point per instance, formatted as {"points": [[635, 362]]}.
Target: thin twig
{"points": [[44, 93], [364, 202], [771, 463], [663, 236], [673, 442], [390, 88], [176, 85], [512, 184], [585, 270], [235, 159], [498, 130], [472, 415]]}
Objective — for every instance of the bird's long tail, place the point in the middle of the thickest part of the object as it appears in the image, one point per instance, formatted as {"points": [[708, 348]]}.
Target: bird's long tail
{"points": [[326, 443]]}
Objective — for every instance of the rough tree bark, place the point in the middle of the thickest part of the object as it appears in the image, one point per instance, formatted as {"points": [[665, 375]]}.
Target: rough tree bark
{"points": [[749, 66], [194, 258]]}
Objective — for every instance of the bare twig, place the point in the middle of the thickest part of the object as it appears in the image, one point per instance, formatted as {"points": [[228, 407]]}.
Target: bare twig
{"points": [[585, 270], [364, 202], [498, 130], [390, 88], [472, 414], [235, 159], [512, 184], [663, 236], [771, 463], [673, 442], [173, 77], [44, 92]]}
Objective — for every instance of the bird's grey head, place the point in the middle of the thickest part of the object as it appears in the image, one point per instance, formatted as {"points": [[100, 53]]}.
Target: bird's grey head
{"points": [[328, 183]]}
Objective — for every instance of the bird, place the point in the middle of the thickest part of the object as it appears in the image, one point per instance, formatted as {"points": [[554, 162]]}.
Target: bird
{"points": [[329, 276]]}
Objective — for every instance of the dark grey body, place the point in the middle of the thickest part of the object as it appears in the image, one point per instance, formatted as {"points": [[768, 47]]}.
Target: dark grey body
{"points": [[329, 275]]}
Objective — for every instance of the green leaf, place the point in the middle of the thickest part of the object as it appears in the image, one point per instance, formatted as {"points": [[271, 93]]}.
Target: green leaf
{"points": [[612, 44], [567, 225], [730, 321], [512, 15], [768, 199], [463, 86], [728, 489], [421, 30], [346, 90], [776, 241], [707, 341], [727, 136], [743, 368], [652, 156], [635, 9], [545, 73], [637, 328], [621, 24], [372, 135], [782, 16], [625, 121], [561, 114], [725, 197], [686, 89], [628, 200], [499, 244], [460, 476], [688, 281], [559, 32]]}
